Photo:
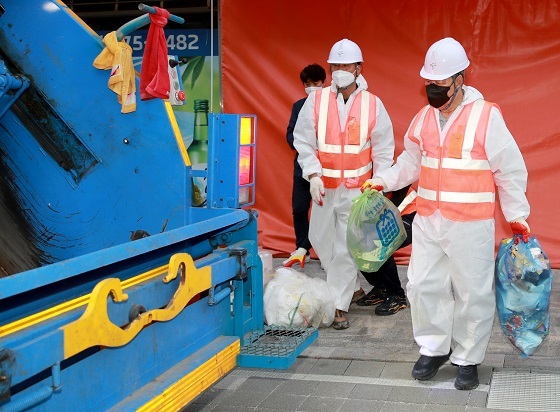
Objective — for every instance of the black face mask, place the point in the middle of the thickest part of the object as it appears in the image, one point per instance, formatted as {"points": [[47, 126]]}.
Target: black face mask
{"points": [[437, 95]]}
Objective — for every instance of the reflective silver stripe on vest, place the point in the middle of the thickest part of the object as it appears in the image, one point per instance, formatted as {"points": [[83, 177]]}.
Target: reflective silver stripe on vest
{"points": [[430, 162], [323, 112], [459, 164], [467, 197], [407, 200], [350, 149], [465, 164], [470, 131], [457, 197], [427, 194], [347, 173], [364, 118]]}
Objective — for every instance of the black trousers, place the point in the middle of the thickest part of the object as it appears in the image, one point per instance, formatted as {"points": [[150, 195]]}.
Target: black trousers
{"points": [[387, 277], [301, 203]]}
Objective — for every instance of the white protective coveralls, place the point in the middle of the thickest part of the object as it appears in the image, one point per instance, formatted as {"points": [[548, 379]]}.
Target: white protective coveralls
{"points": [[327, 224], [451, 270]]}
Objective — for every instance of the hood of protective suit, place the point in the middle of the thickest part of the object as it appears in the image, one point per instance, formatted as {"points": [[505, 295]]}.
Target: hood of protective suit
{"points": [[360, 82], [470, 94]]}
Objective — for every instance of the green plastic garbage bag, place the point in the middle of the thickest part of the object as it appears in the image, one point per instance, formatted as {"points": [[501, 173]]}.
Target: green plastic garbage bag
{"points": [[375, 230]]}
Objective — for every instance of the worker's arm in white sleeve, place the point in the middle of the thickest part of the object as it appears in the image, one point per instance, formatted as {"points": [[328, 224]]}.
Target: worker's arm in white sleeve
{"points": [[406, 169], [305, 140], [508, 166], [382, 139]]}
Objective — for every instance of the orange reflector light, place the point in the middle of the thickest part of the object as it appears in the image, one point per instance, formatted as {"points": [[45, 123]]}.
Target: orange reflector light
{"points": [[246, 131], [246, 160]]}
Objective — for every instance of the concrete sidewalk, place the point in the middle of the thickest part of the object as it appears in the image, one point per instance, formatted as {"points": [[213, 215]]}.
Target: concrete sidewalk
{"points": [[367, 368]]}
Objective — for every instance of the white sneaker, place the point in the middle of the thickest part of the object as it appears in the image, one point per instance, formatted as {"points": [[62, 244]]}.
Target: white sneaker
{"points": [[298, 256]]}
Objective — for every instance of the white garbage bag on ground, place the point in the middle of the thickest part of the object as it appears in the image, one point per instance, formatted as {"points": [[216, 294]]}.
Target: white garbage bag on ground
{"points": [[293, 299]]}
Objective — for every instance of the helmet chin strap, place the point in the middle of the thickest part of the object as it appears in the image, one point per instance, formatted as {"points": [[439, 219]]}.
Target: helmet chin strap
{"points": [[448, 105]]}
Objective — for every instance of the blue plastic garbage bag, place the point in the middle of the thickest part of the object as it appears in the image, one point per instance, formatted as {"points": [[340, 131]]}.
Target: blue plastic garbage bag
{"points": [[375, 230], [523, 283]]}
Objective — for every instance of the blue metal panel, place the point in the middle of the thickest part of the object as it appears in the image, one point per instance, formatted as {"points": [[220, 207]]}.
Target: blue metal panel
{"points": [[104, 378], [209, 224], [99, 378], [39, 289], [132, 177]]}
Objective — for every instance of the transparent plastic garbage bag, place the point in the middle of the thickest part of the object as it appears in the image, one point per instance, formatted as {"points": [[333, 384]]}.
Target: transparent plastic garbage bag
{"points": [[375, 230], [523, 284], [293, 299]]}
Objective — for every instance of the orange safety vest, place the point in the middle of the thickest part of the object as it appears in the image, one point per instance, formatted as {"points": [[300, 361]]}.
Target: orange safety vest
{"points": [[456, 177], [345, 155]]}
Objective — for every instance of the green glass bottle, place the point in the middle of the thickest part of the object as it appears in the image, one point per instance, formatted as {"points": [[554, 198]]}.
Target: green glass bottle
{"points": [[198, 151]]}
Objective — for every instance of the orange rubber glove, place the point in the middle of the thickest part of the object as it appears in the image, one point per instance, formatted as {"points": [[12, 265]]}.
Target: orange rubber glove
{"points": [[297, 257], [294, 260], [520, 227], [375, 183]]}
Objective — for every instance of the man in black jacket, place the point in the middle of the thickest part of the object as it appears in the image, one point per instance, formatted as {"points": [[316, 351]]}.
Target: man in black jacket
{"points": [[312, 77]]}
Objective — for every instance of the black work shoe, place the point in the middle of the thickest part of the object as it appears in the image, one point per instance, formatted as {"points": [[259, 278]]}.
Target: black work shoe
{"points": [[467, 378], [426, 367], [373, 297], [391, 305]]}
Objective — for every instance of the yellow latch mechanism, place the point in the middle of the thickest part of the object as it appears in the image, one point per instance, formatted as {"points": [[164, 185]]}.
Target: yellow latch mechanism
{"points": [[94, 326]]}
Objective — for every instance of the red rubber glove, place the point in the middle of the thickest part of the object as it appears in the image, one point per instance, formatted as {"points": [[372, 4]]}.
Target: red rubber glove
{"points": [[520, 227]]}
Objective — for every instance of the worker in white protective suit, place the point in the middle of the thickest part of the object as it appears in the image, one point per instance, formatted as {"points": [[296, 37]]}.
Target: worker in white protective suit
{"points": [[343, 135], [460, 150]]}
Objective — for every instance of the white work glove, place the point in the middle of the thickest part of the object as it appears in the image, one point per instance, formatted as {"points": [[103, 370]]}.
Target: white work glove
{"points": [[374, 183], [317, 190], [520, 227]]}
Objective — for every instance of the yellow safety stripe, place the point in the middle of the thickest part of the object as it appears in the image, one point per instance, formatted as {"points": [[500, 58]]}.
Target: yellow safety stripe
{"points": [[65, 307], [186, 389], [177, 133]]}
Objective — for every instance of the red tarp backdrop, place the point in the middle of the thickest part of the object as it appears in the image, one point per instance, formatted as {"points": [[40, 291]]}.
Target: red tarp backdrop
{"points": [[514, 49]]}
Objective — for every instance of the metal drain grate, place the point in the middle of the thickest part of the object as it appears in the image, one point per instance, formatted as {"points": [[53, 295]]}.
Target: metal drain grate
{"points": [[524, 391], [275, 346]]}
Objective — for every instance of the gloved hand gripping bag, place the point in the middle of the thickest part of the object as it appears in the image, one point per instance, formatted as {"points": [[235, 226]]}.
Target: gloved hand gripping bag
{"points": [[523, 283], [375, 230]]}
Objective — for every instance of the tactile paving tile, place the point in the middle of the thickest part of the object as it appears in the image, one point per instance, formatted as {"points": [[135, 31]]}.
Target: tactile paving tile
{"points": [[524, 391]]}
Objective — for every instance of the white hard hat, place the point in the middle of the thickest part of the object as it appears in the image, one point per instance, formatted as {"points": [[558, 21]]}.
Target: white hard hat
{"points": [[444, 58], [345, 52]]}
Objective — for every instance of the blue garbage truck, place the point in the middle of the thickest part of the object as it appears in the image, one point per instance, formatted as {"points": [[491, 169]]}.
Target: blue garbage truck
{"points": [[116, 292]]}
